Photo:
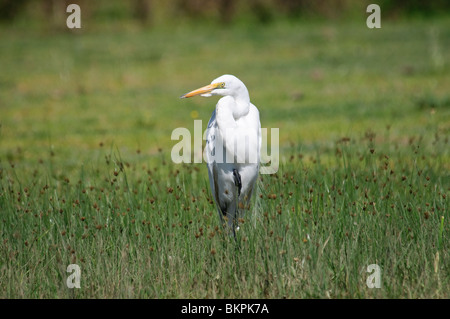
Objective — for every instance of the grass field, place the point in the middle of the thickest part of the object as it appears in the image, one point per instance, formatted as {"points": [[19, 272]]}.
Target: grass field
{"points": [[87, 178]]}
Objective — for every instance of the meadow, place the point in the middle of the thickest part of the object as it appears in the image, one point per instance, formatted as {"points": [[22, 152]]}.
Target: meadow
{"points": [[86, 174]]}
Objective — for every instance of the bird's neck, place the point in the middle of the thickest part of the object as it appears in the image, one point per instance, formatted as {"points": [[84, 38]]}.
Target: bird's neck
{"points": [[241, 107]]}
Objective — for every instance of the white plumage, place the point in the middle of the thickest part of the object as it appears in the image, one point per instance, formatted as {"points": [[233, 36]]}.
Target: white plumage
{"points": [[233, 143]]}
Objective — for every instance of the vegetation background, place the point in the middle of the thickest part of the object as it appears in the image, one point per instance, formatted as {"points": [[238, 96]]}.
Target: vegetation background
{"points": [[86, 176]]}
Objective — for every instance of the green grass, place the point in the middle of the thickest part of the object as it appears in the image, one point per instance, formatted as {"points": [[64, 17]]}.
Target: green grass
{"points": [[86, 175]]}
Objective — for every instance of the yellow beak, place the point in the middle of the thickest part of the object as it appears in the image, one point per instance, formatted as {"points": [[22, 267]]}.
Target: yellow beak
{"points": [[203, 90]]}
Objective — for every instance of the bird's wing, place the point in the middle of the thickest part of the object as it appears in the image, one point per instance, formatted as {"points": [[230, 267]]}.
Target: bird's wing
{"points": [[210, 138], [209, 155]]}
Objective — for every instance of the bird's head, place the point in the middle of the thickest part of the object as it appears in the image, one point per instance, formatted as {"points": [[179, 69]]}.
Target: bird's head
{"points": [[224, 85]]}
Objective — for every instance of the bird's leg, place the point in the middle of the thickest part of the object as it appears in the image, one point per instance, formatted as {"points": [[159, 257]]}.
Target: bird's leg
{"points": [[238, 183], [237, 180]]}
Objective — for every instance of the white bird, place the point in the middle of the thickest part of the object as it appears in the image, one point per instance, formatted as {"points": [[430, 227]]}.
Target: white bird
{"points": [[233, 143]]}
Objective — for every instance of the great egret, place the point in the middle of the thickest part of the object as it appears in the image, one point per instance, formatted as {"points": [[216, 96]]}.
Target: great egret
{"points": [[233, 143]]}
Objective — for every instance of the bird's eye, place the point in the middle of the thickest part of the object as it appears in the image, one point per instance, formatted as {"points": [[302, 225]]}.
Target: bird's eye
{"points": [[222, 84]]}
